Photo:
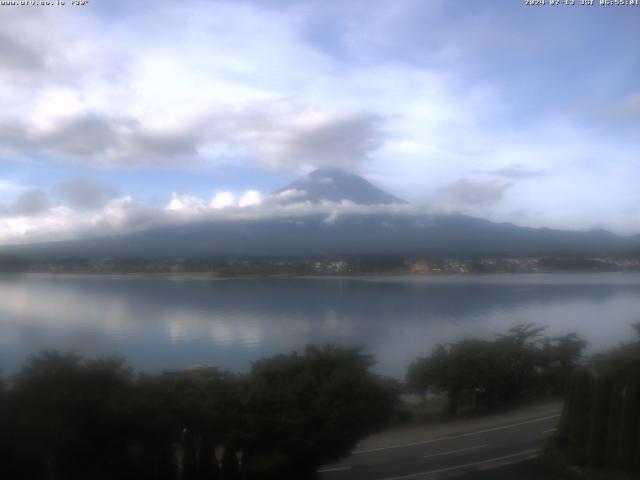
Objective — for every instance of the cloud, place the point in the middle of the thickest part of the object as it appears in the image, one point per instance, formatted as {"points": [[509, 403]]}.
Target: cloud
{"points": [[517, 172], [415, 97], [22, 60], [338, 140], [77, 195], [290, 195], [464, 193], [193, 206], [250, 198], [332, 218], [186, 204], [36, 67], [17, 58], [172, 102], [123, 141], [31, 202], [273, 138], [84, 193], [222, 200], [288, 137], [125, 215], [10, 188]]}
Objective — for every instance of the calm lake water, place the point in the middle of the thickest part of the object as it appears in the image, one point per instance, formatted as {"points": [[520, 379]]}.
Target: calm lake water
{"points": [[168, 322]]}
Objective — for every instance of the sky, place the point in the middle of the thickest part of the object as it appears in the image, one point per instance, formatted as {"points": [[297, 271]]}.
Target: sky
{"points": [[120, 115]]}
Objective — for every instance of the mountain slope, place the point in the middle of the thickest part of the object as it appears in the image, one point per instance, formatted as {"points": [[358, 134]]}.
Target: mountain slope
{"points": [[322, 234], [451, 235], [330, 184]]}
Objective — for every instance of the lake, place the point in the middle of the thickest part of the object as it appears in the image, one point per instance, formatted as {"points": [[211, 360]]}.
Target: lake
{"points": [[160, 322]]}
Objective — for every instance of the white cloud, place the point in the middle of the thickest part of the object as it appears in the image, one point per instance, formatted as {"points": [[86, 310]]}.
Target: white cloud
{"points": [[185, 204], [465, 193], [290, 194], [332, 217], [85, 193], [125, 215], [323, 139], [222, 200], [413, 97], [31, 202], [250, 198]]}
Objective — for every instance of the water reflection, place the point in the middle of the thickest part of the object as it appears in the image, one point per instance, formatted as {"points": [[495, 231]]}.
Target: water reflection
{"points": [[160, 323]]}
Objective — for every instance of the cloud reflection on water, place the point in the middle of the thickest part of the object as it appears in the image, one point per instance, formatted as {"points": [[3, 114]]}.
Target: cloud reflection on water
{"points": [[160, 323]]}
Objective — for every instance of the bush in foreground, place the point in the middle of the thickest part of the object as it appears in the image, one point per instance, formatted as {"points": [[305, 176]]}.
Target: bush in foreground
{"points": [[600, 423], [62, 417]]}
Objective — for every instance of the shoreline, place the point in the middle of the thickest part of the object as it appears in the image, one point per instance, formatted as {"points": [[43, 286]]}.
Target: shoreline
{"points": [[519, 278], [214, 275]]}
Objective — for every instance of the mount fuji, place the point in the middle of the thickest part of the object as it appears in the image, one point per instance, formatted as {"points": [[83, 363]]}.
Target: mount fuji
{"points": [[334, 185], [376, 223]]}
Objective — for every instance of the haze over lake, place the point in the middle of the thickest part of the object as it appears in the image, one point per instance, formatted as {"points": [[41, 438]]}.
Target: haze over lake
{"points": [[159, 323]]}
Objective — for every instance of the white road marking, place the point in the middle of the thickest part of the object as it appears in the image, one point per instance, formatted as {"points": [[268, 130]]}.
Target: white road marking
{"points": [[551, 430], [334, 469], [529, 454], [454, 437], [451, 452]]}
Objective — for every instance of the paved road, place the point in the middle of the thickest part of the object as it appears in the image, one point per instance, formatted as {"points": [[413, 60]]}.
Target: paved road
{"points": [[526, 470], [504, 445]]}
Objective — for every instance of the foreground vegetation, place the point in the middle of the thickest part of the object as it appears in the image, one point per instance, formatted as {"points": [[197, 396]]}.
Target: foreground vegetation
{"points": [[599, 431], [62, 417], [65, 418], [476, 374]]}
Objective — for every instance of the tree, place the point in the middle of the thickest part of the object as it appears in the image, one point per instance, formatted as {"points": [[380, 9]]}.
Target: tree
{"points": [[426, 373], [599, 423], [485, 373], [520, 355], [69, 418], [469, 368], [621, 361], [307, 409], [561, 355]]}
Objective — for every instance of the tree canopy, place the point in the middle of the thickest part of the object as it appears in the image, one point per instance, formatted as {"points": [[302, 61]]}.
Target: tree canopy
{"points": [[490, 372], [63, 417]]}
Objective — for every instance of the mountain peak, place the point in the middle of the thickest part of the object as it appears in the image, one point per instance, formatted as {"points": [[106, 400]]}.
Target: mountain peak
{"points": [[334, 185], [329, 172]]}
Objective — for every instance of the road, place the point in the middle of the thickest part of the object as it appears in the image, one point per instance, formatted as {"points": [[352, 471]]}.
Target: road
{"points": [[504, 445]]}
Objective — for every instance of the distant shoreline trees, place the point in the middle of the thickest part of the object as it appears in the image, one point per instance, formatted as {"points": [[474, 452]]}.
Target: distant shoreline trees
{"points": [[319, 264]]}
